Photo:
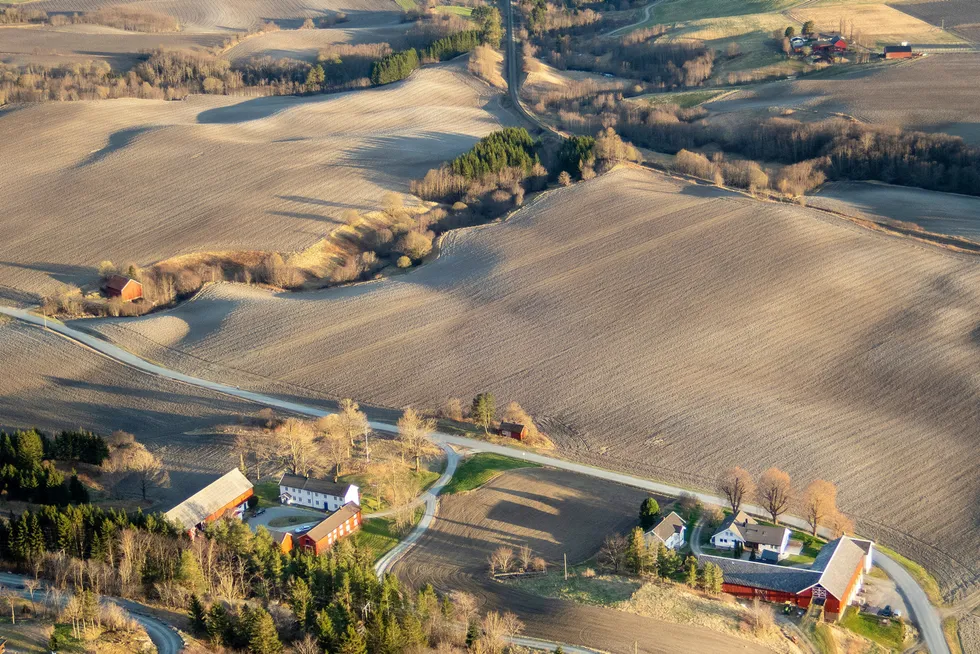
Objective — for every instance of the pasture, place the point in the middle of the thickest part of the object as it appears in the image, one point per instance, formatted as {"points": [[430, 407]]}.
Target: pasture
{"points": [[663, 328], [142, 180]]}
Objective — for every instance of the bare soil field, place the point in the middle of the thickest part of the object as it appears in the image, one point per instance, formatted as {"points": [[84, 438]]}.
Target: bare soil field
{"points": [[662, 328], [970, 633], [50, 383], [228, 15], [140, 180], [943, 213], [306, 44], [903, 94], [959, 16], [79, 43], [554, 513]]}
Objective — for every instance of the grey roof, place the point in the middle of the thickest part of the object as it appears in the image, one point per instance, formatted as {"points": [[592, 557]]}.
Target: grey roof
{"points": [[898, 48], [512, 426], [333, 521], [765, 575], [325, 486], [669, 525], [205, 502], [736, 521], [764, 534], [837, 561]]}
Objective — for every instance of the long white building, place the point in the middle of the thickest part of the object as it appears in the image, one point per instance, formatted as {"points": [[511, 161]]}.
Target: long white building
{"points": [[316, 493]]}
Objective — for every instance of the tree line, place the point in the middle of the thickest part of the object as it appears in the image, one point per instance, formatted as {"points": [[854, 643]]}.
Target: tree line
{"points": [[27, 471]]}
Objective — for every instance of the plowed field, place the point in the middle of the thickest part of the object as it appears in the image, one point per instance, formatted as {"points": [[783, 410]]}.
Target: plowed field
{"points": [[139, 180], [662, 328], [959, 16], [554, 513]]}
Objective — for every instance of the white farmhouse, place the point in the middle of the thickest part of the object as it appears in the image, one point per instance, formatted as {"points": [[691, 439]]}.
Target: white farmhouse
{"points": [[316, 493], [768, 542], [669, 531]]}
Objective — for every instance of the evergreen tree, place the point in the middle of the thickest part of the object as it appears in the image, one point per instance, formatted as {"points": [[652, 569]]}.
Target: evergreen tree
{"points": [[472, 634], [706, 577], [637, 552], [666, 561], [77, 493], [326, 636], [301, 601], [691, 575], [352, 642], [30, 449], [262, 635], [717, 578], [483, 410], [198, 615], [217, 624], [189, 573], [649, 512], [488, 18]]}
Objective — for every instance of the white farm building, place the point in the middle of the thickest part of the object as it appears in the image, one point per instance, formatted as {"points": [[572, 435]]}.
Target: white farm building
{"points": [[316, 493]]}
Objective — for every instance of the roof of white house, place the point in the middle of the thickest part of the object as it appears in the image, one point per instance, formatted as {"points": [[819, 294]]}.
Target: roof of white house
{"points": [[736, 522], [764, 534], [210, 499], [314, 485], [669, 525]]}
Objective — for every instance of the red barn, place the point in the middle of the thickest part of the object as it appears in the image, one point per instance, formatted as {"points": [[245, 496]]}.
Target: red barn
{"points": [[283, 539], [124, 287], [832, 581], [903, 51], [513, 430], [831, 45], [226, 496], [339, 524]]}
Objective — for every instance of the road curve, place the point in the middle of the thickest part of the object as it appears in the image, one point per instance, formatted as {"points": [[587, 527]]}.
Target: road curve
{"points": [[625, 28], [164, 637], [923, 613]]}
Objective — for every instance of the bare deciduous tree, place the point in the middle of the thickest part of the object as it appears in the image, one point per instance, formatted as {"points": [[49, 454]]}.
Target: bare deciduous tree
{"points": [[498, 630], [819, 503], [613, 553], [840, 525], [133, 459], [295, 440], [334, 442], [524, 556], [452, 409], [736, 484], [775, 491], [353, 422], [501, 559], [413, 435]]}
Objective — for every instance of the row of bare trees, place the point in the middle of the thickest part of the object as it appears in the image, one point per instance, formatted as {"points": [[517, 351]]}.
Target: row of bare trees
{"points": [[504, 560], [775, 493]]}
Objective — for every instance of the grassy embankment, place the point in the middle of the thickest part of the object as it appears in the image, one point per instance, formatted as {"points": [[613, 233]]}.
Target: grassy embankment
{"points": [[870, 626], [952, 634], [920, 574], [380, 534], [481, 468]]}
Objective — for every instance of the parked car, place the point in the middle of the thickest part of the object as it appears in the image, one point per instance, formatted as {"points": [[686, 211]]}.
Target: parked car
{"points": [[303, 530], [886, 612], [260, 512]]}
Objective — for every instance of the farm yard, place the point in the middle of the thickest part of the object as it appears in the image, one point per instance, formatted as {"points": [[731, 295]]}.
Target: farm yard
{"points": [[554, 513], [706, 304], [943, 213], [146, 180]]}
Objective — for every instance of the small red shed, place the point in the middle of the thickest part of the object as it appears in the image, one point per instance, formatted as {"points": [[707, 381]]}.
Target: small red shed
{"points": [[903, 51], [124, 287], [513, 430]]}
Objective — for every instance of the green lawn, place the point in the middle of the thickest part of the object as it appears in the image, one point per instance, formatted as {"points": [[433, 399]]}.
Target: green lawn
{"points": [[684, 99], [379, 534], [672, 11], [372, 504], [481, 468], [453, 9], [268, 493], [920, 574], [871, 627], [601, 590], [407, 5]]}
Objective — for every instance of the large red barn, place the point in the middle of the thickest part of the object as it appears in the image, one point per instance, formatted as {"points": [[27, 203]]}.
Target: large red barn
{"points": [[831, 581]]}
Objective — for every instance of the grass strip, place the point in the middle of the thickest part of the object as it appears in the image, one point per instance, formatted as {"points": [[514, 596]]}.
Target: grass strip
{"points": [[380, 534], [920, 574], [883, 631], [952, 634], [481, 468]]}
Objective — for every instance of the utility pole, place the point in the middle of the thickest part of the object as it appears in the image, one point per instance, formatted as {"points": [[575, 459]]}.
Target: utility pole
{"points": [[566, 565], [367, 449]]}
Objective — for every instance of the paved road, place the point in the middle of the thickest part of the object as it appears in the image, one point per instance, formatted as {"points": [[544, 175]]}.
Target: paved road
{"points": [[626, 28], [922, 611], [164, 637]]}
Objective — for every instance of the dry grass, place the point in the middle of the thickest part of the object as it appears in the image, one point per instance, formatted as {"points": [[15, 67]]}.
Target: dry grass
{"points": [[875, 21], [142, 181], [682, 316], [680, 605], [306, 44]]}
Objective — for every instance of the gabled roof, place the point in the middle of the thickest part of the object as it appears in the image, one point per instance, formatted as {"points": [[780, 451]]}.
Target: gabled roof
{"points": [[279, 536], [837, 561], [765, 575], [118, 282], [669, 525], [735, 522], [512, 426], [205, 502], [325, 486], [333, 521], [764, 534], [898, 48]]}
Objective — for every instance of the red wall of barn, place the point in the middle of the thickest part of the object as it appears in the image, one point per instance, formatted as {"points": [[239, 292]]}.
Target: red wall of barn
{"points": [[748, 592], [230, 505], [898, 55]]}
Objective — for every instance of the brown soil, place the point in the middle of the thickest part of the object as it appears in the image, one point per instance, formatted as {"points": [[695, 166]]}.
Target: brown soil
{"points": [[555, 513]]}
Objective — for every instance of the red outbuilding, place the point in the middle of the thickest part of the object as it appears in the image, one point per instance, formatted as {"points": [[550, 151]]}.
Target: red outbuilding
{"points": [[903, 51], [123, 287], [513, 430], [339, 524]]}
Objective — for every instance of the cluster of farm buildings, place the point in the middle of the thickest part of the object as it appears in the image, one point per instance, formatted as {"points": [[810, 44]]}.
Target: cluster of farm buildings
{"points": [[230, 495], [831, 582], [832, 46]]}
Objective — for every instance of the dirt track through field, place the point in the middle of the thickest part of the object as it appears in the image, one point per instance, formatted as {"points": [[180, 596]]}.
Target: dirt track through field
{"points": [[663, 329], [145, 180], [553, 512]]}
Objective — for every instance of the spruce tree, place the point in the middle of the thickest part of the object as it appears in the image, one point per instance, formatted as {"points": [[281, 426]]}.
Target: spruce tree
{"points": [[77, 493], [483, 410], [691, 578], [217, 624], [326, 636], [472, 634], [262, 635], [198, 615], [352, 642], [189, 573], [649, 512]]}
